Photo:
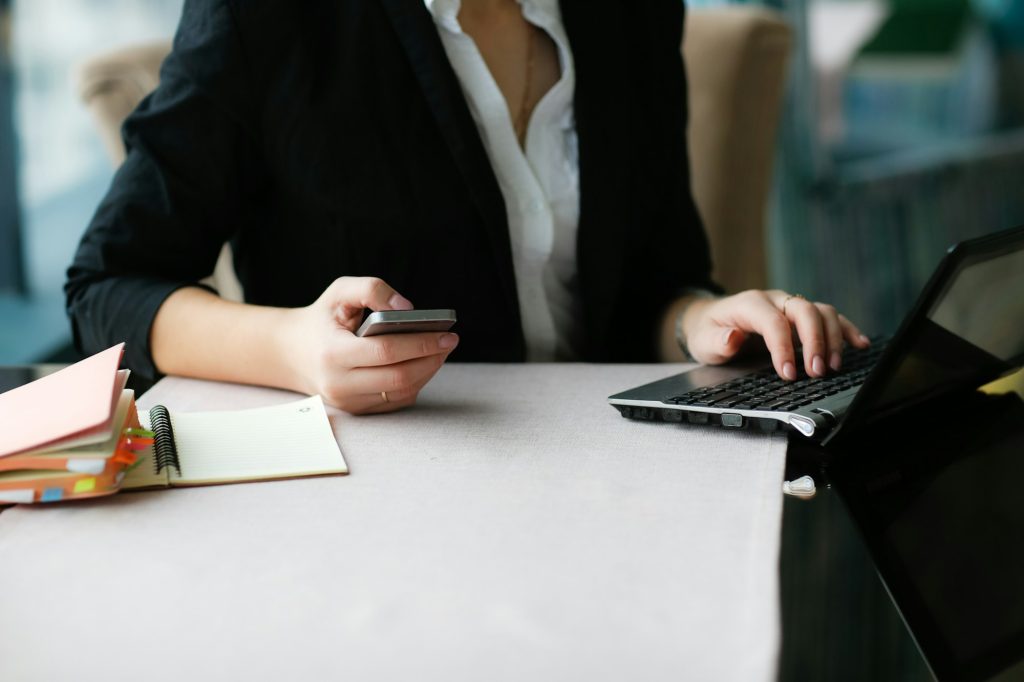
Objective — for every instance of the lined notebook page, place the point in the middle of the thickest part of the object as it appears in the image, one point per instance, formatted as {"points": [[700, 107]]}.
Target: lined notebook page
{"points": [[281, 441]]}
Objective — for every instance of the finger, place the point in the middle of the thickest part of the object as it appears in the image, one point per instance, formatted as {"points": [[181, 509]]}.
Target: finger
{"points": [[714, 344], [852, 334], [374, 403], [807, 319], [755, 312], [396, 378], [391, 349], [393, 405], [346, 399], [351, 295], [833, 335]]}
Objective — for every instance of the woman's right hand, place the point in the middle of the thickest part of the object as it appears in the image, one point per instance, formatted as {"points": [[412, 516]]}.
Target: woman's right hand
{"points": [[360, 375]]}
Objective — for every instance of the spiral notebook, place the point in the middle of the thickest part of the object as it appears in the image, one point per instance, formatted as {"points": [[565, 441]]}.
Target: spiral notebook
{"points": [[77, 433], [210, 448]]}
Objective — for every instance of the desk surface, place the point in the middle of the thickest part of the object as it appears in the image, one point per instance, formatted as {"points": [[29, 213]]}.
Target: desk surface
{"points": [[511, 526]]}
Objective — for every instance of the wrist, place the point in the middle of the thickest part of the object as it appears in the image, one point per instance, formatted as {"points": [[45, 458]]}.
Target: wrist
{"points": [[286, 341], [688, 320]]}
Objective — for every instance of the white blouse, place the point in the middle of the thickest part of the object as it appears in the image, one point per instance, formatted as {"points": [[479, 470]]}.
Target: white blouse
{"points": [[540, 186]]}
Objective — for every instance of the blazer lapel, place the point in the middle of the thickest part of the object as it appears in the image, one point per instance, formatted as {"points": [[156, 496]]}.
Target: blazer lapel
{"points": [[603, 120], [440, 85]]}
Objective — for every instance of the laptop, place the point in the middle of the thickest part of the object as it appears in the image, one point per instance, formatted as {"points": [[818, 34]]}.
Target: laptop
{"points": [[939, 510], [966, 329]]}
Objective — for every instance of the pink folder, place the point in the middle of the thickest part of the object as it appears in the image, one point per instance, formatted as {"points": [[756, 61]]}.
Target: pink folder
{"points": [[66, 404]]}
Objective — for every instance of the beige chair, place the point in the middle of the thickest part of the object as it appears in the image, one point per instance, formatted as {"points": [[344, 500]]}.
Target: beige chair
{"points": [[736, 64]]}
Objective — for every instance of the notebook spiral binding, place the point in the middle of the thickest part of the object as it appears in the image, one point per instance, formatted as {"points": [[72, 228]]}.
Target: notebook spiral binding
{"points": [[165, 452]]}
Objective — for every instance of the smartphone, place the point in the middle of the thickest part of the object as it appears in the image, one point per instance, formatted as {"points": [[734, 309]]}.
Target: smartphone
{"points": [[406, 321]]}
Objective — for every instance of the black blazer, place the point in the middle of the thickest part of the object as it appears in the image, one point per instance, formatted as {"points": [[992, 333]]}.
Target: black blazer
{"points": [[332, 138]]}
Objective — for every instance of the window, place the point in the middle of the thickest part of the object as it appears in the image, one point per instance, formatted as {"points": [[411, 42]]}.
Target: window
{"points": [[53, 168]]}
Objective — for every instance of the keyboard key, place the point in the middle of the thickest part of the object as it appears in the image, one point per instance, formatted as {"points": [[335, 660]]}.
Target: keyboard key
{"points": [[765, 390]]}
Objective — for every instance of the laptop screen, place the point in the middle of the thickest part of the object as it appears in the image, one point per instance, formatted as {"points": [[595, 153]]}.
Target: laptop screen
{"points": [[984, 305], [941, 513], [968, 332]]}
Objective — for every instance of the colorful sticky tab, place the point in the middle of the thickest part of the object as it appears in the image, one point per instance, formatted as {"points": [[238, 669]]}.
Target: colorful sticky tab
{"points": [[132, 467], [126, 457], [21, 496], [87, 466], [141, 433], [85, 485], [138, 443], [52, 495]]}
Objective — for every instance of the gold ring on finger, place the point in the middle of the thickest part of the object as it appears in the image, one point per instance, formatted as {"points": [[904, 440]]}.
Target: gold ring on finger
{"points": [[788, 299]]}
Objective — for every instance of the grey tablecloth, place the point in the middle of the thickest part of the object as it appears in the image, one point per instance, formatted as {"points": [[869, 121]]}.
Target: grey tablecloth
{"points": [[510, 527]]}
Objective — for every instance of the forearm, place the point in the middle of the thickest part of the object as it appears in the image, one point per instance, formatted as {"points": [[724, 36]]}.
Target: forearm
{"points": [[198, 334], [311, 349], [689, 306]]}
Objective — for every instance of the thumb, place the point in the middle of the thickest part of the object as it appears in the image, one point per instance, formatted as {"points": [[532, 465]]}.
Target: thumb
{"points": [[714, 344], [349, 296]]}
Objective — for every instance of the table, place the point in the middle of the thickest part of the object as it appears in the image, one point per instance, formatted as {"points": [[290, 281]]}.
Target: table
{"points": [[511, 526]]}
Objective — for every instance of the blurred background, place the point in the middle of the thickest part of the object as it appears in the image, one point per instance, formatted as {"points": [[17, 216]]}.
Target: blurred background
{"points": [[903, 132], [53, 167]]}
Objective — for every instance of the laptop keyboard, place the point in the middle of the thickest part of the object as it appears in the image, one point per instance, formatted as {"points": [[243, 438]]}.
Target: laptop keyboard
{"points": [[766, 391]]}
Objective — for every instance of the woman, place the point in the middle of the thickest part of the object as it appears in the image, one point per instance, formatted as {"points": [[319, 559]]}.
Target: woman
{"points": [[522, 162]]}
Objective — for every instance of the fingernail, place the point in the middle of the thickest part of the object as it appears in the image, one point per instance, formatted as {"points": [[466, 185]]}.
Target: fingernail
{"points": [[865, 340], [399, 302], [727, 336], [818, 365], [448, 341], [789, 371], [836, 362]]}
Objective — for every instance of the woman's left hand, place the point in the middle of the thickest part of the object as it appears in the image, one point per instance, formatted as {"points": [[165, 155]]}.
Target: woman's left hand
{"points": [[717, 329]]}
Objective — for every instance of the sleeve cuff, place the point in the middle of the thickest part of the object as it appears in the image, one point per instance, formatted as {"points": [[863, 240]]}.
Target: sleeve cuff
{"points": [[123, 309]]}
